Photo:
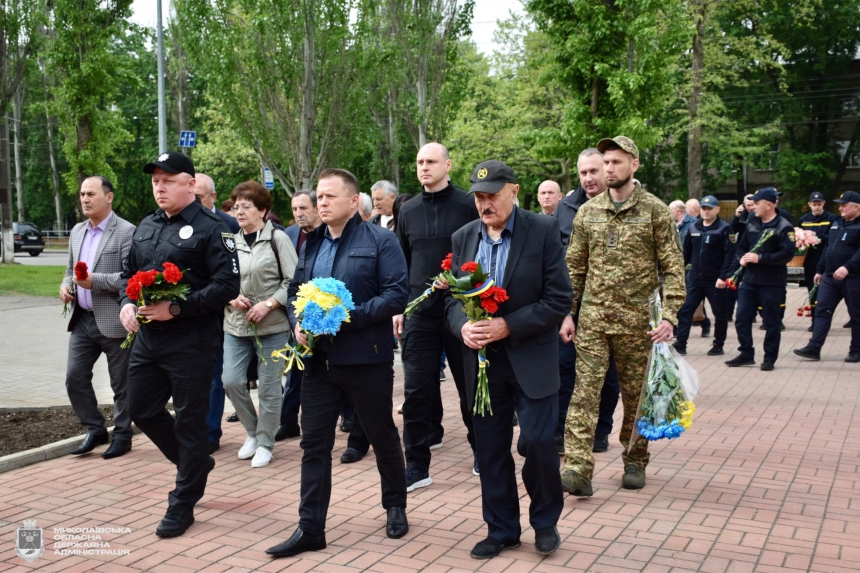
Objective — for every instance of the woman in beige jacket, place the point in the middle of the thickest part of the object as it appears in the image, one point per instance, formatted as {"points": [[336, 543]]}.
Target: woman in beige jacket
{"points": [[267, 260]]}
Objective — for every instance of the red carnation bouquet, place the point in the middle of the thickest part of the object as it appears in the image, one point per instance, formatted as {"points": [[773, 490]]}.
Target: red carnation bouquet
{"points": [[152, 287], [81, 274]]}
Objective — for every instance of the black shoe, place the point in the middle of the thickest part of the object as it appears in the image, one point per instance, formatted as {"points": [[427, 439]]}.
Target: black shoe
{"points": [[853, 357], [346, 424], [476, 471], [706, 329], [762, 327], [808, 352], [442, 375], [730, 319], [601, 443], [489, 548], [515, 421], [680, 348], [767, 365], [214, 447], [91, 440], [298, 543], [716, 350], [810, 329], [547, 540], [350, 456], [397, 526], [740, 360], [286, 431], [417, 478], [435, 442], [847, 324], [234, 417], [118, 447], [782, 326], [559, 444], [176, 521]]}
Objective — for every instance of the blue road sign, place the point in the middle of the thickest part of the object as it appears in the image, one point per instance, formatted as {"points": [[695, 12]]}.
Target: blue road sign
{"points": [[268, 178], [187, 138]]}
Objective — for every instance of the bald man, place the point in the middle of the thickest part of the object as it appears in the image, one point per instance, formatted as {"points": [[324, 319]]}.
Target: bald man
{"points": [[693, 208], [549, 196], [204, 190]]}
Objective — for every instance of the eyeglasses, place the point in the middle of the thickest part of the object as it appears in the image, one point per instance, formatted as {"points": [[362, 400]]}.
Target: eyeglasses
{"points": [[243, 208]]}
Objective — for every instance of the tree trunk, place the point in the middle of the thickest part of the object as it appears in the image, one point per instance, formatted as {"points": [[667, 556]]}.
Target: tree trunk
{"points": [[595, 98], [55, 174], [305, 158], [17, 103], [6, 193], [695, 183]]}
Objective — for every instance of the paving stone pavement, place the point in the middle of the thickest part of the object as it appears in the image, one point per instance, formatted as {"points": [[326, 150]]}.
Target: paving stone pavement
{"points": [[767, 480]]}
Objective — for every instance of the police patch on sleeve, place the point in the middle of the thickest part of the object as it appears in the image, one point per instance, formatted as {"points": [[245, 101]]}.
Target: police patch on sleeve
{"points": [[733, 238], [229, 241], [791, 236]]}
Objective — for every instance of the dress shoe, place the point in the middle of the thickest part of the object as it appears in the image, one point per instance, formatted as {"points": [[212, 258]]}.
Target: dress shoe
{"points": [[706, 329], [740, 360], [176, 521], [298, 543], [286, 432], [92, 440], [118, 447], [515, 422], [346, 424], [808, 352], [234, 417], [576, 484], [397, 526], [680, 349], [634, 477], [782, 326], [810, 329], [489, 548], [853, 357], [767, 365], [716, 350], [350, 456], [547, 540], [214, 447], [601, 443], [847, 324]]}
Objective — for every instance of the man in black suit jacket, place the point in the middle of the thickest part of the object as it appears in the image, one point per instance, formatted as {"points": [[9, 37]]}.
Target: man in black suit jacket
{"points": [[522, 253]]}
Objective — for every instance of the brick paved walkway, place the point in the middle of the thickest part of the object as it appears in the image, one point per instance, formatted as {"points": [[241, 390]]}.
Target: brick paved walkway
{"points": [[767, 480]]}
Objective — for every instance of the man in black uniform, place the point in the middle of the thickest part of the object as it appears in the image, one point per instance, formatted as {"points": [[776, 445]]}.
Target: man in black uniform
{"points": [[817, 220], [763, 281], [174, 354], [838, 277], [424, 228], [709, 249]]}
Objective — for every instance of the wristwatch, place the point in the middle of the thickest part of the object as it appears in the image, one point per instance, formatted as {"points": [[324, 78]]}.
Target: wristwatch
{"points": [[174, 307], [269, 304]]}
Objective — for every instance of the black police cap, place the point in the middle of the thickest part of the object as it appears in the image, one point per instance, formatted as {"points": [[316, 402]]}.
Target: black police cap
{"points": [[848, 197], [172, 162], [491, 176]]}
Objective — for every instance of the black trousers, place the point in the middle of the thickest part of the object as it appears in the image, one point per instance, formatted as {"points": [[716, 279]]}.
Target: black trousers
{"points": [[494, 434], [697, 292], [424, 339], [831, 292], [324, 390], [771, 300], [177, 363]]}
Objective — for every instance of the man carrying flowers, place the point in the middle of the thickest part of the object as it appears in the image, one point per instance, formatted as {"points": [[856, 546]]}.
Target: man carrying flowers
{"points": [[176, 343], [356, 363], [763, 278], [521, 253]]}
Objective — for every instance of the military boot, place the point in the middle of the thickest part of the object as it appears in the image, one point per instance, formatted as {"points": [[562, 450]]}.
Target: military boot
{"points": [[575, 484], [634, 477]]}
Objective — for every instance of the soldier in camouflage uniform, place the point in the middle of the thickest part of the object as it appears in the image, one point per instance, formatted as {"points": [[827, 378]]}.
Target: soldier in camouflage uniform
{"points": [[620, 239]]}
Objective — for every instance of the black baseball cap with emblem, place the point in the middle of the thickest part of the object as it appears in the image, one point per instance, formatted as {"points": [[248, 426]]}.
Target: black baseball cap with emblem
{"points": [[172, 162], [491, 176], [816, 196], [848, 197]]}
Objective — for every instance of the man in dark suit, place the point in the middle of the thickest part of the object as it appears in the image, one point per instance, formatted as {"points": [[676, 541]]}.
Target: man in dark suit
{"points": [[522, 253], [102, 242]]}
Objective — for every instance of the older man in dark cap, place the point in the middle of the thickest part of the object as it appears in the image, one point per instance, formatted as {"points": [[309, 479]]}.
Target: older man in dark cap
{"points": [[818, 221], [521, 251], [174, 352]]}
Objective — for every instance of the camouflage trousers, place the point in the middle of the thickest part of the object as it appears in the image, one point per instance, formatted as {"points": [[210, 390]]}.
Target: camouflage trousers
{"points": [[593, 349]]}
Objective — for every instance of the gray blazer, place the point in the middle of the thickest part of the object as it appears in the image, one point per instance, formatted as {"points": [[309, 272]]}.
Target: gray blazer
{"points": [[111, 253]]}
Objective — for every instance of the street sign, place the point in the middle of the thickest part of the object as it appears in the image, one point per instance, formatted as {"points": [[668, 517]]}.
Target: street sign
{"points": [[187, 138], [268, 179]]}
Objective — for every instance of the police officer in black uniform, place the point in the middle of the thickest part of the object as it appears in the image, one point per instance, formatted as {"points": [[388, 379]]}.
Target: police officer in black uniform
{"points": [[818, 221], [708, 247], [838, 277], [173, 355], [763, 281]]}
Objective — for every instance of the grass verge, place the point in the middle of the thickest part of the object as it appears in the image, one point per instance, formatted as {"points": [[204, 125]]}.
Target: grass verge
{"points": [[30, 280]]}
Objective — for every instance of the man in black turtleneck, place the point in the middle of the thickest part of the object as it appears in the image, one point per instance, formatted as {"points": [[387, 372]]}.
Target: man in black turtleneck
{"points": [[424, 228]]}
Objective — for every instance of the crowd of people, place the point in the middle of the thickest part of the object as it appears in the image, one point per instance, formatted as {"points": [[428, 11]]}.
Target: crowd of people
{"points": [[572, 337]]}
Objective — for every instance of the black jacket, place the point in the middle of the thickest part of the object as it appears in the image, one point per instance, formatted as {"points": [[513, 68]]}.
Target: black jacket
{"points": [[566, 213], [773, 255], [370, 263], [841, 248], [820, 225], [710, 250], [424, 228], [540, 294]]}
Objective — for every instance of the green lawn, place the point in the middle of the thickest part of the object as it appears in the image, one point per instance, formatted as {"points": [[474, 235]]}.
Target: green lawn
{"points": [[33, 281]]}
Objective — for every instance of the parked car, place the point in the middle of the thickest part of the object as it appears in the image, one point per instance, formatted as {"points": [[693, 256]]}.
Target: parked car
{"points": [[27, 238]]}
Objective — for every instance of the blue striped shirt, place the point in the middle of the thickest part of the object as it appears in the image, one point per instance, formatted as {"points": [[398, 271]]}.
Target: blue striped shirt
{"points": [[325, 257], [493, 254]]}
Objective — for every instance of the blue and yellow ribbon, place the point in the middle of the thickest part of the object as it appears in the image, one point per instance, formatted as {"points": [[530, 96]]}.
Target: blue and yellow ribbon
{"points": [[479, 290], [292, 355]]}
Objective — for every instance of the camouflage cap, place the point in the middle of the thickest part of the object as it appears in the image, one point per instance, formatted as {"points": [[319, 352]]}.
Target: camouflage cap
{"points": [[621, 141]]}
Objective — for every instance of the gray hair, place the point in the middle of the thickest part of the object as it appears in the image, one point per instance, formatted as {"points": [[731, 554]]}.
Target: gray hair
{"points": [[312, 195], [365, 203], [386, 186], [589, 152], [677, 204]]}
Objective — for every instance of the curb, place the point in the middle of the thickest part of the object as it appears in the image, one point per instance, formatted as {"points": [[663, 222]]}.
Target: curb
{"points": [[44, 453]]}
